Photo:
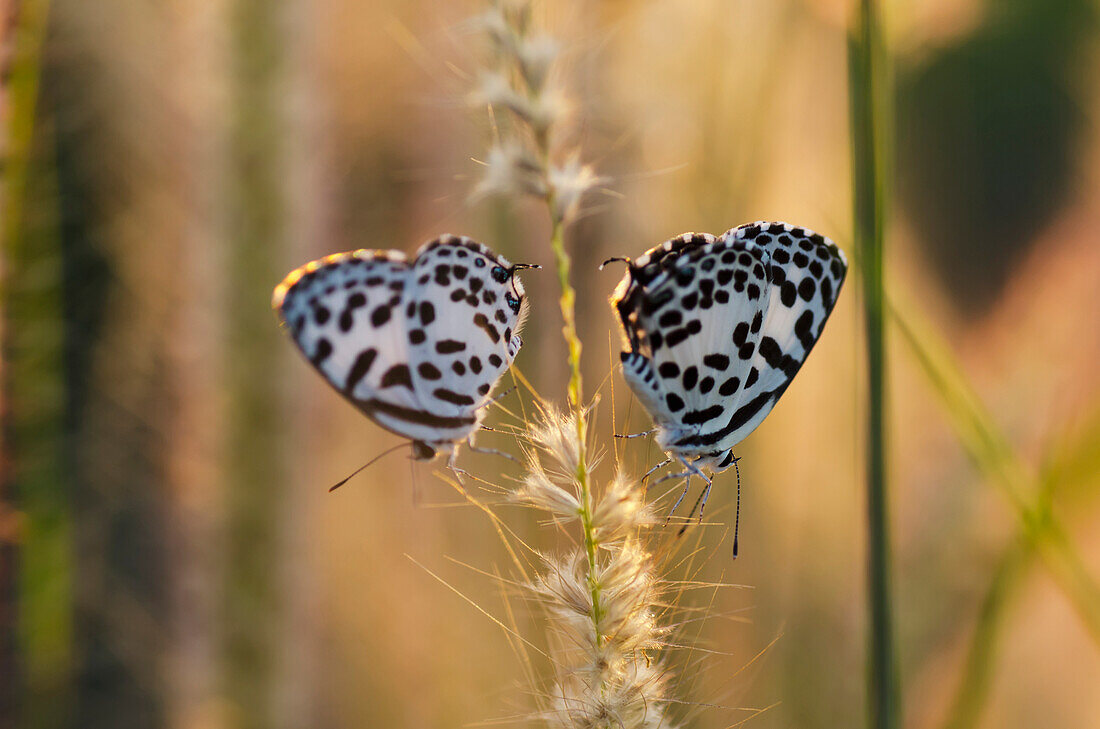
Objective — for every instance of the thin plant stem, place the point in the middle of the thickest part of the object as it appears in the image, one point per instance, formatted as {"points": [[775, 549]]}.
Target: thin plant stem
{"points": [[563, 263], [867, 118]]}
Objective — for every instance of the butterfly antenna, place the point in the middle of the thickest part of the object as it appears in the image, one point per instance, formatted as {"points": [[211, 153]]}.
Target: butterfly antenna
{"points": [[495, 398], [353, 473], [620, 259], [737, 518], [520, 266]]}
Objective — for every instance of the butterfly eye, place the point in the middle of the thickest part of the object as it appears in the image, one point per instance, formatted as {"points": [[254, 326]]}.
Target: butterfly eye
{"points": [[499, 274], [513, 302]]}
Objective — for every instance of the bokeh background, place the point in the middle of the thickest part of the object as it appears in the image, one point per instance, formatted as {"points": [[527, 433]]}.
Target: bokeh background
{"points": [[169, 556]]}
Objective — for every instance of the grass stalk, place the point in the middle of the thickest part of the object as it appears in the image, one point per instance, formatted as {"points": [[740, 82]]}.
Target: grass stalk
{"points": [[36, 600], [567, 301], [255, 486], [972, 691], [994, 456], [1064, 473], [868, 114]]}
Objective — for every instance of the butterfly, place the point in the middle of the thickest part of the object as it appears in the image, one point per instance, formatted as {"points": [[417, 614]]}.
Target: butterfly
{"points": [[718, 327], [416, 345]]}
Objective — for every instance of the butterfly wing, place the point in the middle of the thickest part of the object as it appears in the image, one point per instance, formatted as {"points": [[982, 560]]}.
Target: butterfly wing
{"points": [[703, 318], [631, 298], [343, 311], [710, 375], [465, 307], [806, 273], [380, 330]]}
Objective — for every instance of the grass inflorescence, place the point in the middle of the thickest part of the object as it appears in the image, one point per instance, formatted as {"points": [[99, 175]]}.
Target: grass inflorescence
{"points": [[600, 597]]}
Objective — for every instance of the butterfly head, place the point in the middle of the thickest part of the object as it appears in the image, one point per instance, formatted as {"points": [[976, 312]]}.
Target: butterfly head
{"points": [[717, 461], [422, 451]]}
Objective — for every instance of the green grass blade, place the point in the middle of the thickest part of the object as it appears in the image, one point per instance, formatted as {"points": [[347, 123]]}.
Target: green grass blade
{"points": [[1073, 464], [36, 617], [1002, 467], [973, 690], [868, 117]]}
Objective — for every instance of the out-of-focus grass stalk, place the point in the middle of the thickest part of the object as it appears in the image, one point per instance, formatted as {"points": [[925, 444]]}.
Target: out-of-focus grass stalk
{"points": [[256, 482], [36, 604], [972, 691], [869, 112], [22, 92], [1072, 459], [999, 463]]}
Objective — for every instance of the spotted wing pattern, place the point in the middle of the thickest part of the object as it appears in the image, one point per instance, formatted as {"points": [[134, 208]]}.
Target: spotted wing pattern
{"points": [[417, 346], [717, 328]]}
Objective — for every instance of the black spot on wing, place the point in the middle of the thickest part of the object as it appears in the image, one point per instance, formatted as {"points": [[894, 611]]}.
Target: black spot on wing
{"points": [[417, 417], [360, 368], [668, 370], [429, 371], [698, 417], [455, 398], [775, 357], [449, 346], [729, 386], [691, 376], [324, 349], [427, 312], [380, 316], [803, 329], [397, 376], [482, 322], [754, 375], [740, 417], [716, 361]]}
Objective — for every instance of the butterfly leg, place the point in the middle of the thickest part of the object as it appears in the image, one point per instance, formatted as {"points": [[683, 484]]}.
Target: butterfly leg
{"points": [[492, 452], [670, 476], [659, 465], [700, 503], [693, 469], [687, 486], [452, 466], [643, 434]]}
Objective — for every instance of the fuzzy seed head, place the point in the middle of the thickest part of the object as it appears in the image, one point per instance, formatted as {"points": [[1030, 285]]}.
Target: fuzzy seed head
{"points": [[540, 491], [536, 56], [569, 182], [555, 436], [511, 169], [629, 702], [621, 510], [539, 109]]}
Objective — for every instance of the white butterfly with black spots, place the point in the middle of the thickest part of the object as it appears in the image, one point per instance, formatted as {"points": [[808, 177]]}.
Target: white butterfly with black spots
{"points": [[416, 345], [718, 327]]}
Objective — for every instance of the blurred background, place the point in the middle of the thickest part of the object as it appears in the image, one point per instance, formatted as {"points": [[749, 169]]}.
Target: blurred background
{"points": [[169, 556]]}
